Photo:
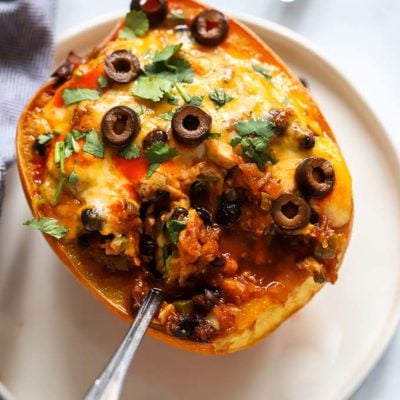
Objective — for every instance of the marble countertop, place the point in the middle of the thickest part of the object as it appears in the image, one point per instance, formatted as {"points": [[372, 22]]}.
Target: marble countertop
{"points": [[361, 37]]}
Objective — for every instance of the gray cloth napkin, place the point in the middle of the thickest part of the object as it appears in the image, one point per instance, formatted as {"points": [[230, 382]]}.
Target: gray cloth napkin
{"points": [[26, 53]]}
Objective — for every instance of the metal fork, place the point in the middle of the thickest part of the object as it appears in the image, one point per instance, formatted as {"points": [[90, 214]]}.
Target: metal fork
{"points": [[109, 383]]}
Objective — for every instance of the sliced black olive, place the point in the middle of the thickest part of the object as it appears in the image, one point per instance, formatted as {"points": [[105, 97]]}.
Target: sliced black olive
{"points": [[91, 220], [290, 212], [39, 148], [179, 213], [210, 28], [122, 66], [63, 72], [147, 245], [156, 10], [307, 142], [228, 213], [191, 125], [119, 126], [205, 215], [155, 136], [315, 176], [161, 200]]}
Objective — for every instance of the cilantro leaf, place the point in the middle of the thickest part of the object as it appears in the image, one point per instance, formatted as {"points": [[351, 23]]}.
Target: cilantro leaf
{"points": [[77, 134], [196, 100], [45, 138], [213, 136], [172, 99], [152, 168], [159, 152], [73, 178], [174, 228], [139, 109], [92, 145], [254, 137], [102, 81], [136, 24], [167, 116], [151, 87], [50, 226], [263, 71], [76, 95], [220, 98], [167, 53], [182, 71], [260, 127], [70, 145], [130, 152]]}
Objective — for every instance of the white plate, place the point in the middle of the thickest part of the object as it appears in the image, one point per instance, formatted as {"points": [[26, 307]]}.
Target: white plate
{"points": [[55, 338]]}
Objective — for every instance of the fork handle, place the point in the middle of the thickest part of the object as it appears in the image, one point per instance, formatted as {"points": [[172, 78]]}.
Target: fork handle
{"points": [[108, 384]]}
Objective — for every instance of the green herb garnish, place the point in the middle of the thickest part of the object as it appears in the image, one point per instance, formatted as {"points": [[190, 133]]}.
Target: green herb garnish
{"points": [[151, 87], [157, 153], [102, 81], [263, 71], [167, 53], [254, 137], [59, 156], [78, 134], [76, 95], [213, 135], [130, 152], [45, 138], [50, 226], [70, 145], [167, 116], [152, 168], [92, 145], [136, 24], [59, 188], [174, 228], [73, 178], [220, 97]]}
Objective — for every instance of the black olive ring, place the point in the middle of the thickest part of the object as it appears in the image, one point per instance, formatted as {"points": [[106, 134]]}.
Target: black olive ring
{"points": [[290, 212], [155, 10], [121, 66], [191, 125], [119, 126], [315, 176], [210, 28]]}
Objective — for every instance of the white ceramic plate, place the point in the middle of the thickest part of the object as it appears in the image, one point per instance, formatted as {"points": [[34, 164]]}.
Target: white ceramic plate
{"points": [[55, 338]]}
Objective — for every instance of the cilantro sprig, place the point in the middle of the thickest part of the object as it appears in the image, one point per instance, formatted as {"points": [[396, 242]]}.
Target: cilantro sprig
{"points": [[174, 228], [156, 154], [50, 226], [76, 95], [93, 145], [254, 138], [160, 76], [130, 152], [220, 97], [136, 24], [263, 71]]}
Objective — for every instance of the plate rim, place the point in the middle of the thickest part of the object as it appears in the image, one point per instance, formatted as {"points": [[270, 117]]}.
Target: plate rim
{"points": [[389, 328]]}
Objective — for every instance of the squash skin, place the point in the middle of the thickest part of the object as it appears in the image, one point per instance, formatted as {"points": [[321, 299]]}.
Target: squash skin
{"points": [[269, 315]]}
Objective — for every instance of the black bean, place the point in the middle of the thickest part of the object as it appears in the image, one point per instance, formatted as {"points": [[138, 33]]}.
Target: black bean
{"points": [[228, 213], [92, 220], [218, 262], [179, 213], [155, 136], [205, 215], [147, 245], [307, 142], [161, 200]]}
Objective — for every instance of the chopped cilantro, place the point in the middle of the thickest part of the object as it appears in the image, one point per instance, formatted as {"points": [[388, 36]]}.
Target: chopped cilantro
{"points": [[59, 188], [167, 53], [77, 134], [213, 135], [182, 70], [76, 95], [136, 24], [260, 127], [159, 152], [167, 116], [73, 178], [102, 81], [152, 168], [172, 99], [59, 156], [151, 87], [50, 226], [130, 152], [92, 145], [196, 100], [45, 138], [70, 145], [139, 109], [174, 228], [263, 71], [254, 137], [220, 98], [183, 93]]}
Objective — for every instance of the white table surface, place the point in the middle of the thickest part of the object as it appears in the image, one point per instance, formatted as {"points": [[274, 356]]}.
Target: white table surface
{"points": [[362, 38]]}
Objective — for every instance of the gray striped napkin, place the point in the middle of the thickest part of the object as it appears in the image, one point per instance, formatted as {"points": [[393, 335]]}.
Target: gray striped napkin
{"points": [[26, 52]]}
